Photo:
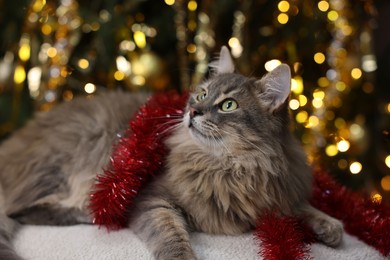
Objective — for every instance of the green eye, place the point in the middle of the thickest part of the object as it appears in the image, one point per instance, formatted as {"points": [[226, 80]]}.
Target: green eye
{"points": [[201, 95], [229, 105]]}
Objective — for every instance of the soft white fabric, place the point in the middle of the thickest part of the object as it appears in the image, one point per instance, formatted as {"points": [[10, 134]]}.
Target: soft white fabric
{"points": [[84, 242]]}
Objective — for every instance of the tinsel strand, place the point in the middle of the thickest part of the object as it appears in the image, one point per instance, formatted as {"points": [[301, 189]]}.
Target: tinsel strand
{"points": [[282, 237], [137, 156], [362, 217]]}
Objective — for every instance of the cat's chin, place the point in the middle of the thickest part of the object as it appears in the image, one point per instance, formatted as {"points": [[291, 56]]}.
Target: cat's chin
{"points": [[209, 143]]}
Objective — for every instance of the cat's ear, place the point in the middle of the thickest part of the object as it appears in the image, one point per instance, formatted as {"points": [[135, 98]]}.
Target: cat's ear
{"points": [[224, 64], [275, 87]]}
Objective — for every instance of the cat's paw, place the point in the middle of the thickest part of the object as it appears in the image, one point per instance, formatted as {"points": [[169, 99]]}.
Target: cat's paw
{"points": [[328, 230]]}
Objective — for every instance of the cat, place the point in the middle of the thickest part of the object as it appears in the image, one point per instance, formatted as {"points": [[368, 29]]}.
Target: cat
{"points": [[231, 157]]}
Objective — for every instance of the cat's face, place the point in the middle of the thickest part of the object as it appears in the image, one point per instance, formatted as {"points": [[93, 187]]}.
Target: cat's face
{"points": [[231, 112]]}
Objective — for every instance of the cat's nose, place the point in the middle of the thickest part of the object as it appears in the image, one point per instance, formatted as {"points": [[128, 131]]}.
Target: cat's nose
{"points": [[195, 112]]}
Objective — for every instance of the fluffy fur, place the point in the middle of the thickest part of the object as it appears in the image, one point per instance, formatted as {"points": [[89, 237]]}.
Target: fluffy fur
{"points": [[231, 157]]}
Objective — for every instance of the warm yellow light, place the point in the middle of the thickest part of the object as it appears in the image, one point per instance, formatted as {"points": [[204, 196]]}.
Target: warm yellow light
{"points": [[234, 42], [339, 123], [387, 161], [38, 5], [283, 6], [90, 88], [331, 150], [323, 82], [317, 103], [46, 29], [319, 57], [123, 65], [139, 80], [385, 183], [323, 6], [341, 86], [301, 117], [170, 2], [192, 5], [139, 39], [294, 104], [191, 48], [388, 108], [83, 64], [313, 121], [297, 85], [319, 94], [283, 18], [302, 100], [355, 167], [119, 75], [376, 198], [343, 146], [333, 16], [19, 75], [24, 52], [51, 52], [356, 73], [271, 64]]}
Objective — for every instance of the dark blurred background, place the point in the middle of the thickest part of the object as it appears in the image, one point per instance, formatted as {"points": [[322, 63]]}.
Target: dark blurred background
{"points": [[339, 52]]}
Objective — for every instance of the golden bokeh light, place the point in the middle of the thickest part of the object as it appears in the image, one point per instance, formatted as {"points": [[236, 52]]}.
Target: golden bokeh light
{"points": [[331, 150], [323, 6], [283, 18], [283, 6], [355, 167], [385, 183], [319, 58]]}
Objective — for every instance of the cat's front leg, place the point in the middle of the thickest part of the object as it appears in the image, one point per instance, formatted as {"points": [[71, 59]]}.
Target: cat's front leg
{"points": [[327, 229], [162, 226]]}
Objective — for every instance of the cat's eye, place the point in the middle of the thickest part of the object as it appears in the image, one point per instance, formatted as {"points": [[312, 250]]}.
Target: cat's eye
{"points": [[229, 105], [201, 95]]}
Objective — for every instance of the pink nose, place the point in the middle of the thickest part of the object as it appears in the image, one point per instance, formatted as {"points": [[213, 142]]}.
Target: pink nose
{"points": [[194, 112]]}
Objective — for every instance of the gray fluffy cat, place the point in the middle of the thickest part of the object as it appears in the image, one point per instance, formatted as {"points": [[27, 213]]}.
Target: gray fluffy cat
{"points": [[231, 157]]}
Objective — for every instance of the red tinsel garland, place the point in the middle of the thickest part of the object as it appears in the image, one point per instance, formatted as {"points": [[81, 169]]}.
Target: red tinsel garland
{"points": [[282, 237], [140, 154], [137, 156], [368, 220]]}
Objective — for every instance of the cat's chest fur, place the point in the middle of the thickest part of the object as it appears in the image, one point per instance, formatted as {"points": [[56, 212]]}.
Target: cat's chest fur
{"points": [[219, 194]]}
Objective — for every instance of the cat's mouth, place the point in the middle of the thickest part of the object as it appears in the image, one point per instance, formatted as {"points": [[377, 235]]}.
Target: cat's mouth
{"points": [[201, 134]]}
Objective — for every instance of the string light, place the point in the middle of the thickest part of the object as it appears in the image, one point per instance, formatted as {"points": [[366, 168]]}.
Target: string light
{"points": [[19, 75], [319, 57], [331, 150], [323, 6], [333, 16], [90, 88], [272, 64], [283, 18], [294, 104], [83, 63], [170, 2], [192, 5], [356, 73], [355, 167], [385, 183], [139, 39], [283, 6], [343, 145], [387, 161]]}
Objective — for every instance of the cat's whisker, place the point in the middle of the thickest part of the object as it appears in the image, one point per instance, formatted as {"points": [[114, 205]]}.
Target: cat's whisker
{"points": [[172, 127], [243, 138], [167, 117], [222, 142]]}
